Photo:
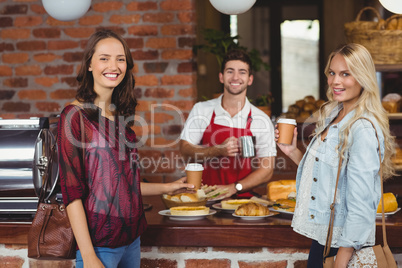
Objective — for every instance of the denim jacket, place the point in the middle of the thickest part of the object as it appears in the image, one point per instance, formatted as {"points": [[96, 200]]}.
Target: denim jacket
{"points": [[359, 188]]}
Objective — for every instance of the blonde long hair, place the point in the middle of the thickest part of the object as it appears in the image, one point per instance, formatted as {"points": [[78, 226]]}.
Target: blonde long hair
{"points": [[361, 67]]}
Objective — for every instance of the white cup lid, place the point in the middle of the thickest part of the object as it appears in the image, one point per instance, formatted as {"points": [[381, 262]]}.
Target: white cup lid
{"points": [[194, 167], [287, 121]]}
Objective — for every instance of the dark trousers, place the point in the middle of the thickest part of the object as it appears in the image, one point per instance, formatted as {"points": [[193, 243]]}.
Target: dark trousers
{"points": [[315, 257]]}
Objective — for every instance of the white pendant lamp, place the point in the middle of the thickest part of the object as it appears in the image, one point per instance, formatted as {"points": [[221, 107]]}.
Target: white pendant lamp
{"points": [[232, 7], [66, 10], [395, 6]]}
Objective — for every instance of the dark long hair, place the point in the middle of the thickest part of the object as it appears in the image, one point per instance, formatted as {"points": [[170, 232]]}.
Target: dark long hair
{"points": [[123, 95]]}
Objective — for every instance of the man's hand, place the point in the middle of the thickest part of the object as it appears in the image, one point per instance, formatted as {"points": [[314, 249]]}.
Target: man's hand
{"points": [[230, 147]]}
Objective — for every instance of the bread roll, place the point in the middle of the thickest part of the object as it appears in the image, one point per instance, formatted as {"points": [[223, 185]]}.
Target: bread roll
{"points": [[234, 203], [252, 209], [189, 211], [390, 203], [188, 197], [392, 102], [309, 99], [280, 189]]}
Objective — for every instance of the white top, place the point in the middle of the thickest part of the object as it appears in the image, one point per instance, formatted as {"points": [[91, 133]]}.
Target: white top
{"points": [[261, 126]]}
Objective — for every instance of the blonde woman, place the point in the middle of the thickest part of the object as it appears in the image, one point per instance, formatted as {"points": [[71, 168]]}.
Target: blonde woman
{"points": [[352, 93]]}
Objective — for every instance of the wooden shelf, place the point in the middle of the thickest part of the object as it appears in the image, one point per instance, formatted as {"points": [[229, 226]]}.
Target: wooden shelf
{"points": [[395, 116], [388, 67]]}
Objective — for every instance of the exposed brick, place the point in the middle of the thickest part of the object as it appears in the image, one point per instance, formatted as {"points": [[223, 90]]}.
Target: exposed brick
{"points": [[46, 57], [188, 92], [6, 262], [38, 9], [15, 58], [155, 67], [63, 94], [107, 6], [212, 263], [6, 22], [48, 106], [144, 105], [16, 82], [91, 20], [59, 45], [16, 246], [146, 80], [177, 29], [53, 22], [15, 34], [46, 81], [28, 70], [32, 94], [159, 93], [138, 92], [288, 250], [79, 32], [300, 264], [51, 264], [157, 118], [161, 43], [71, 81], [159, 142], [187, 17], [186, 42], [6, 94], [158, 17], [73, 56], [7, 116], [148, 263], [263, 264], [141, 6], [6, 70], [14, 9], [143, 30], [145, 55], [117, 29], [237, 249], [178, 80], [6, 47], [27, 21], [172, 130], [31, 45], [181, 105], [125, 19], [135, 42], [16, 107], [59, 69], [46, 33], [187, 67], [178, 54]]}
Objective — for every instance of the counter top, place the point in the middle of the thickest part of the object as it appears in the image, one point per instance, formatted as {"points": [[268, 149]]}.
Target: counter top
{"points": [[220, 229]]}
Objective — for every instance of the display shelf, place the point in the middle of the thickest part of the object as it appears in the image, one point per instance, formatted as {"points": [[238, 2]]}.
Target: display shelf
{"points": [[395, 116], [388, 67]]}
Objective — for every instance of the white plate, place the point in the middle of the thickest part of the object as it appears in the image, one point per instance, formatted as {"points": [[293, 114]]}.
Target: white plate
{"points": [[166, 213], [281, 211], [388, 213], [253, 218], [218, 206]]}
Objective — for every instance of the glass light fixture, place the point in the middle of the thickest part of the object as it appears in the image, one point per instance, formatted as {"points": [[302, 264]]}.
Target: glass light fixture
{"points": [[232, 7], [395, 6], [66, 10]]}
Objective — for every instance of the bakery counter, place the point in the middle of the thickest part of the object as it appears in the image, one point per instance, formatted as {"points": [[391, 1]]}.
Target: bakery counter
{"points": [[218, 230]]}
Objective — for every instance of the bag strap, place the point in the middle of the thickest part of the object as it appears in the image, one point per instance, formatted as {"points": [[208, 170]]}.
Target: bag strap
{"points": [[331, 219]]}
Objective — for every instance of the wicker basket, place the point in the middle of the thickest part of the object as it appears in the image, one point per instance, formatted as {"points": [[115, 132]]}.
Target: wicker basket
{"points": [[169, 203], [384, 45]]}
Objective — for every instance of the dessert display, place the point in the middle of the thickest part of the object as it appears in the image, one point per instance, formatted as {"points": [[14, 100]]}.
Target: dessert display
{"points": [[397, 159], [390, 203], [252, 209], [303, 109], [189, 211], [392, 103], [287, 205], [280, 189], [234, 203]]}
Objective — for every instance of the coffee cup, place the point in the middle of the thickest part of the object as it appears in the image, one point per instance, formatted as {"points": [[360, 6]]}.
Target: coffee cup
{"points": [[286, 128], [194, 174], [247, 148]]}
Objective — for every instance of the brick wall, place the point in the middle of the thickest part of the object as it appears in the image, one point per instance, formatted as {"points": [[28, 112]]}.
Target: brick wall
{"points": [[40, 57]]}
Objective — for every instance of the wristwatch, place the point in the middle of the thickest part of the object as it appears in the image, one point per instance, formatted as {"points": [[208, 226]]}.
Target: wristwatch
{"points": [[238, 187]]}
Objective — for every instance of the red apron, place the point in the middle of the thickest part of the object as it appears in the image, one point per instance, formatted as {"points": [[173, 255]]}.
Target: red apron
{"points": [[228, 169]]}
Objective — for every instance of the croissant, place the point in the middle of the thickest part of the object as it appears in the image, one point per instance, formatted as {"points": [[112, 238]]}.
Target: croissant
{"points": [[252, 209]]}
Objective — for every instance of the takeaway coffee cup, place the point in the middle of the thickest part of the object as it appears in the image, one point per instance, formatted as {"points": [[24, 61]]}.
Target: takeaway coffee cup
{"points": [[247, 148], [286, 127], [194, 174]]}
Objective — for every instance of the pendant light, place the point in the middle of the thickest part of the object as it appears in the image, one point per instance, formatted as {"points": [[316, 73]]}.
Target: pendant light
{"points": [[66, 10], [395, 6], [232, 7]]}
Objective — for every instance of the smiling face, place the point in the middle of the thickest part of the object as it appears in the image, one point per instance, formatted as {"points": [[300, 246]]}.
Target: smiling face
{"points": [[344, 86], [108, 65], [236, 77]]}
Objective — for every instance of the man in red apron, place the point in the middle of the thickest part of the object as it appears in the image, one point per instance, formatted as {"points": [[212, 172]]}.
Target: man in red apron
{"points": [[213, 129]]}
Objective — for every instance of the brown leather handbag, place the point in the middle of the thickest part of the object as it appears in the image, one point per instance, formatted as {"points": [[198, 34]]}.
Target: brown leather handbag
{"points": [[374, 256], [50, 235]]}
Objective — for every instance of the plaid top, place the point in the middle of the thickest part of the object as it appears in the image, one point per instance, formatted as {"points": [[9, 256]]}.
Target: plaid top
{"points": [[107, 180]]}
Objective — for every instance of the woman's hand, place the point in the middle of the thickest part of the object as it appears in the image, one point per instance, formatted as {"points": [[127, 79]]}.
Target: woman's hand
{"points": [[285, 148], [179, 186], [92, 262]]}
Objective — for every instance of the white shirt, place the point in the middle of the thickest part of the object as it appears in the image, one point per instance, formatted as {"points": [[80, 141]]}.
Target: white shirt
{"points": [[261, 126]]}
